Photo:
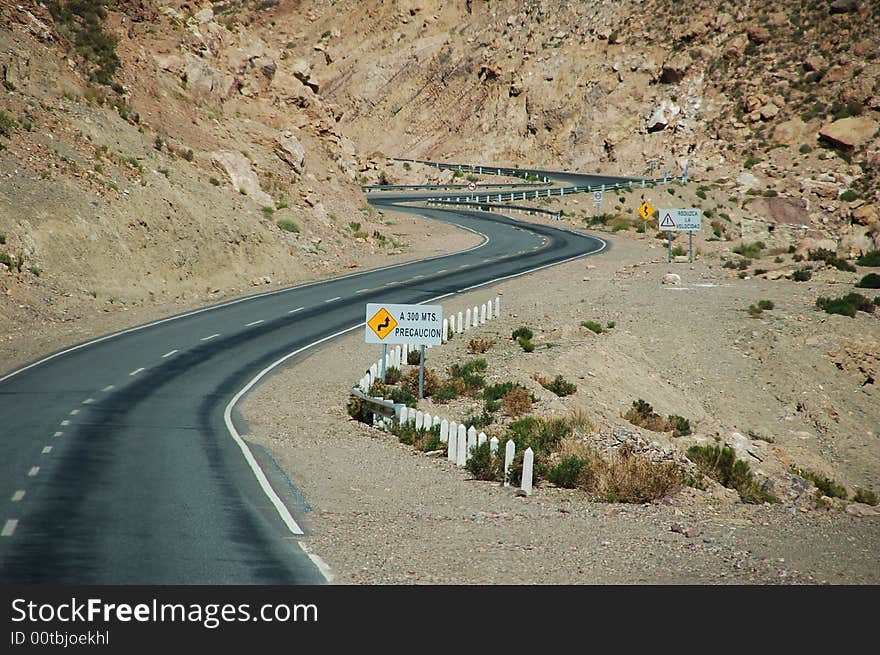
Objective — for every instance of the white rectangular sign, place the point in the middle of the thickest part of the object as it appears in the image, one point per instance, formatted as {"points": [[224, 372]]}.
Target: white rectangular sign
{"points": [[680, 220], [419, 325]]}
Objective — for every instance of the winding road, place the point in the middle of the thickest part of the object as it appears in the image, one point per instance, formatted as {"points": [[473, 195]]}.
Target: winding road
{"points": [[120, 460]]}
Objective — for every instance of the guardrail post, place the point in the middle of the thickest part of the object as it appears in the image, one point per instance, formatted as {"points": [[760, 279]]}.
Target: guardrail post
{"points": [[461, 447], [509, 452], [528, 466], [471, 441], [452, 444]]}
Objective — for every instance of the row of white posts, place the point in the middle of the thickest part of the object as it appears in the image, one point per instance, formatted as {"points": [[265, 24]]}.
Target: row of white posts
{"points": [[461, 441], [397, 355]]}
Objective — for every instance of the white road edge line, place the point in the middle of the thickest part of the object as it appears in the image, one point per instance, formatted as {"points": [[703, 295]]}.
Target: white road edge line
{"points": [[34, 470], [58, 434], [88, 401], [253, 323], [18, 495], [47, 450], [9, 528], [294, 311], [74, 412], [65, 423], [135, 372], [109, 387], [210, 337], [169, 353], [333, 299], [362, 290]]}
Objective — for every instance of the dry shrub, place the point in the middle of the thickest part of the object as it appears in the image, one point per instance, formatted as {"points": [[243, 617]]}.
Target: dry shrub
{"points": [[575, 448], [631, 478], [516, 402], [644, 416], [478, 346], [410, 381]]}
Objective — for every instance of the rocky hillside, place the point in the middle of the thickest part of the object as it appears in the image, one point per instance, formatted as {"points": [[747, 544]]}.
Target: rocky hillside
{"points": [[163, 150]]}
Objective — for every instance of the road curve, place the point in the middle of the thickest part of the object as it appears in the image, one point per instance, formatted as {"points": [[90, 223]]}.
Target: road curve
{"points": [[119, 459]]}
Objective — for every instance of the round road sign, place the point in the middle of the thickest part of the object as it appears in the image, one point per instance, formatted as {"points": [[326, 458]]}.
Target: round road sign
{"points": [[472, 186]]}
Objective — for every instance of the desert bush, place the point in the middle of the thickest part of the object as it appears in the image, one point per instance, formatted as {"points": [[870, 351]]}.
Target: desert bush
{"points": [[377, 389], [592, 325], [410, 381], [288, 225], [567, 473], [523, 332], [423, 440], [719, 462], [449, 390], [680, 426], [392, 375], [483, 465], [516, 402], [802, 274], [869, 281], [643, 415], [401, 395], [358, 410], [479, 346], [558, 385], [631, 478], [871, 258], [413, 357], [526, 344], [847, 305], [498, 390], [766, 304], [81, 22], [750, 250], [831, 259], [865, 496], [825, 485], [7, 123], [470, 373], [541, 435], [6, 259]]}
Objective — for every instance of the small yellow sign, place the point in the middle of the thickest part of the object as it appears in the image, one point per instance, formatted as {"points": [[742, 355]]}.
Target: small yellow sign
{"points": [[382, 323], [646, 211]]}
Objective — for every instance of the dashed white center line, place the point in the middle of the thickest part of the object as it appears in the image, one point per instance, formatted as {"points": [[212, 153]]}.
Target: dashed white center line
{"points": [[88, 401], [333, 299], [18, 495], [74, 412], [109, 387], [34, 470], [135, 372], [362, 290], [253, 323], [58, 434], [47, 450], [210, 337], [442, 270], [9, 528], [294, 311], [65, 422], [169, 353]]}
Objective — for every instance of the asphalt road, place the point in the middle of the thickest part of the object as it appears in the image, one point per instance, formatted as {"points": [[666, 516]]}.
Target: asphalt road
{"points": [[117, 461]]}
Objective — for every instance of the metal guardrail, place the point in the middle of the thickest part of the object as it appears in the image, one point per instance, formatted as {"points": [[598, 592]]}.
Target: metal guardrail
{"points": [[382, 407], [481, 170], [431, 187], [488, 206]]}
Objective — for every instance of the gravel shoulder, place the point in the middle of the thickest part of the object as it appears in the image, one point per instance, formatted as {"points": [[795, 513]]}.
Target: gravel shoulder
{"points": [[384, 514]]}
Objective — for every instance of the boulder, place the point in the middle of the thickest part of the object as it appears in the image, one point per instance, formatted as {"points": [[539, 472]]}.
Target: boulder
{"points": [[238, 168], [844, 6], [769, 112], [782, 210], [303, 72], [671, 278], [675, 69], [791, 132], [861, 509], [829, 190], [815, 63], [758, 34], [747, 181], [852, 132], [866, 215], [290, 150], [663, 116]]}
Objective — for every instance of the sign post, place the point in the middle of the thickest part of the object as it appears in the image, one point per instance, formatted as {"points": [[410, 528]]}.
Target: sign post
{"points": [[420, 325], [681, 220]]}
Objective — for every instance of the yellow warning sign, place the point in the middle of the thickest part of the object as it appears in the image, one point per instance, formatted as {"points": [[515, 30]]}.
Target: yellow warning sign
{"points": [[382, 323], [646, 211]]}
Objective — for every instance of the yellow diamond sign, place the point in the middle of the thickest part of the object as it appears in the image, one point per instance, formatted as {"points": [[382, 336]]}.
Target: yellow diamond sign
{"points": [[646, 211], [382, 323]]}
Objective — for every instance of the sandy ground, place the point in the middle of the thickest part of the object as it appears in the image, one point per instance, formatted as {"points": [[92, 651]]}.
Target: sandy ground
{"points": [[383, 513]]}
